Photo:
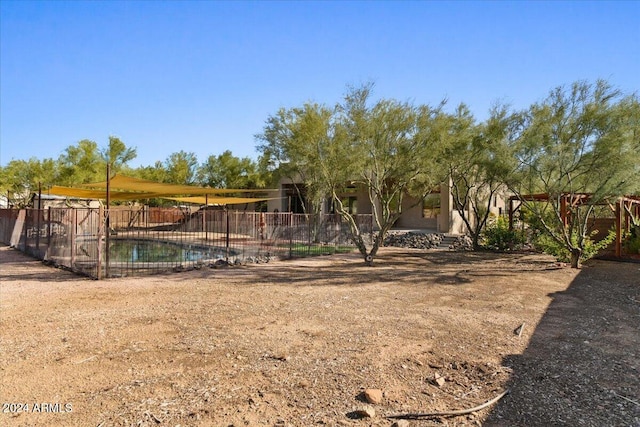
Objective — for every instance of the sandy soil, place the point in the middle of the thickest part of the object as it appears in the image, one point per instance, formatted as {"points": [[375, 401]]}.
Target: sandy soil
{"points": [[296, 343]]}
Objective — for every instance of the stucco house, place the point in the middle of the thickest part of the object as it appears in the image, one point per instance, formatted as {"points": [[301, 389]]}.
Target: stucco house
{"points": [[435, 213]]}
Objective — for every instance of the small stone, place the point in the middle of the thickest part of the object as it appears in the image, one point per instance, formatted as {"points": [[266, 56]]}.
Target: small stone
{"points": [[400, 423], [438, 380], [365, 411], [373, 395], [220, 263]]}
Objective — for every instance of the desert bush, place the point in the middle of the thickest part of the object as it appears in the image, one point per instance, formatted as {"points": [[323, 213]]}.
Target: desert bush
{"points": [[632, 240], [548, 245], [497, 236]]}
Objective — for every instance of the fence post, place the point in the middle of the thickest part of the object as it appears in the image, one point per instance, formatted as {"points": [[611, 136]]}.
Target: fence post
{"points": [[99, 242], [27, 223], [619, 228], [73, 237], [48, 230], [226, 214], [108, 223], [290, 234], [204, 217], [309, 225], [38, 224]]}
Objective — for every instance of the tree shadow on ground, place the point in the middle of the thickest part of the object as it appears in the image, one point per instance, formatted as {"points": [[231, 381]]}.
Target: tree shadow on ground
{"points": [[582, 364], [397, 267]]}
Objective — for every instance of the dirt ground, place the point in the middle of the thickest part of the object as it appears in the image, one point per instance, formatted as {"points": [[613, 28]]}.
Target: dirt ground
{"points": [[296, 343]]}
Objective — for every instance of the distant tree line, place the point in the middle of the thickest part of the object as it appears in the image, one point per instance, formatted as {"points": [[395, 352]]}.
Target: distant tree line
{"points": [[85, 162]]}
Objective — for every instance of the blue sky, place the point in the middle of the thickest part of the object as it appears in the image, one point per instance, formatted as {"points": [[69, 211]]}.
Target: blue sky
{"points": [[204, 76]]}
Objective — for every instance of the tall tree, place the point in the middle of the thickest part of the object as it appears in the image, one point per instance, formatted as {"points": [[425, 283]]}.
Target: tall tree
{"points": [[157, 172], [479, 162], [390, 148], [117, 155], [395, 152], [290, 149], [581, 146], [229, 171], [181, 168], [19, 179], [81, 163]]}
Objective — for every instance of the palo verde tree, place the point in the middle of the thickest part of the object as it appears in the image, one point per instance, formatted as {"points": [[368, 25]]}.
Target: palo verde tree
{"points": [[290, 146], [581, 146], [117, 155], [479, 163], [388, 147], [395, 152]]}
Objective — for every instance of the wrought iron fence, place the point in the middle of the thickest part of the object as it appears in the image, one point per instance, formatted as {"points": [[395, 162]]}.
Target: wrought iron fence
{"points": [[143, 240]]}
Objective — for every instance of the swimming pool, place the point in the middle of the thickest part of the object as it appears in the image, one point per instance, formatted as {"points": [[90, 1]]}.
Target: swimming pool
{"points": [[159, 251]]}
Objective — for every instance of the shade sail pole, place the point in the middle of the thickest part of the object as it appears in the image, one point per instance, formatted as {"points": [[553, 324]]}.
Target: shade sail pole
{"points": [[107, 223], [39, 211], [226, 214], [206, 207], [619, 228]]}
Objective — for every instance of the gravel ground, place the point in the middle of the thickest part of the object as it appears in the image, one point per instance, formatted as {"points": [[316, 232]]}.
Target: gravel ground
{"points": [[298, 343]]}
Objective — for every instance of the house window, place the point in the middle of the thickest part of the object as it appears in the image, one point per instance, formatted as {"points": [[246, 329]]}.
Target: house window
{"points": [[431, 205], [295, 198], [261, 206], [350, 204]]}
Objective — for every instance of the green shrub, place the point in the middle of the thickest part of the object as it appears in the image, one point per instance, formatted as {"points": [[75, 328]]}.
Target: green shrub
{"points": [[498, 237], [545, 243], [633, 246], [548, 245], [632, 240]]}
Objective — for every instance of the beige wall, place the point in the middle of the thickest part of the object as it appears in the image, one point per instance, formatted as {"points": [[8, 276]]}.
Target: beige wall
{"points": [[412, 216], [279, 201], [364, 203], [448, 221]]}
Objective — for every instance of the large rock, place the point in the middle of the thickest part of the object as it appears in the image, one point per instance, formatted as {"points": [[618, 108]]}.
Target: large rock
{"points": [[373, 395], [462, 243]]}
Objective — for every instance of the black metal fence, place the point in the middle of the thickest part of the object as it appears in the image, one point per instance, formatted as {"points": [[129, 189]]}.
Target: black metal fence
{"points": [[143, 240]]}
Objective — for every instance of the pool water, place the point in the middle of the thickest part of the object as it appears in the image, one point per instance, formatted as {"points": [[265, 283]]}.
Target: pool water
{"points": [[135, 251]]}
